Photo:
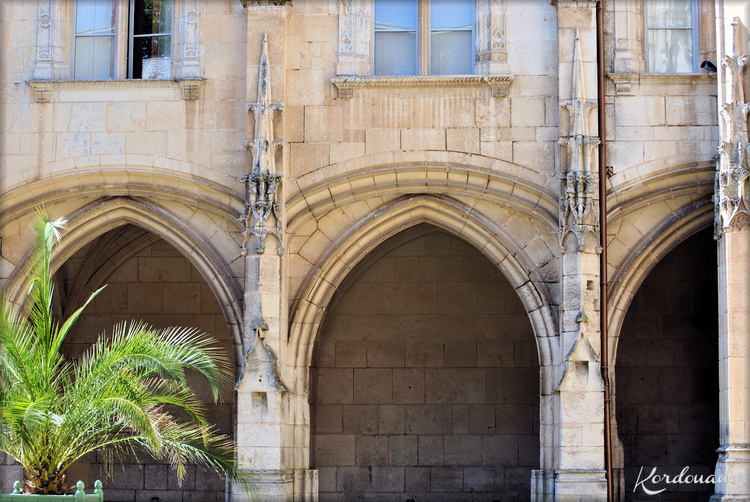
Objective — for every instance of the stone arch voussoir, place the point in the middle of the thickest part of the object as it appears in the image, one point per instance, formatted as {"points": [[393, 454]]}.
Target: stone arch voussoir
{"points": [[446, 213], [103, 215]]}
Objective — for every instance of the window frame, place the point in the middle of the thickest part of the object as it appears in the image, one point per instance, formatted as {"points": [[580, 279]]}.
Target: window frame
{"points": [[132, 36], [424, 41], [694, 39], [123, 29]]}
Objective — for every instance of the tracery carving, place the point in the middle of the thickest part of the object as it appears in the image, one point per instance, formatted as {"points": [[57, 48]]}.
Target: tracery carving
{"points": [[190, 40], [731, 199], [491, 50], [354, 37], [48, 64], [262, 182], [577, 212]]}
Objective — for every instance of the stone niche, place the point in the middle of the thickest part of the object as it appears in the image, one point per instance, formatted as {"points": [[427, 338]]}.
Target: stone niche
{"points": [[425, 379]]}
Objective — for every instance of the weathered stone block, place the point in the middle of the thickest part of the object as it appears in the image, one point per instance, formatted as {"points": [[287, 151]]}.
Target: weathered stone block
{"points": [[360, 419], [334, 449], [351, 354], [513, 419], [424, 354], [481, 419], [335, 386], [446, 479], [430, 450], [387, 479], [372, 450], [408, 386], [428, 419], [391, 419], [373, 386], [462, 450], [352, 480], [460, 385], [500, 450], [385, 354], [402, 450]]}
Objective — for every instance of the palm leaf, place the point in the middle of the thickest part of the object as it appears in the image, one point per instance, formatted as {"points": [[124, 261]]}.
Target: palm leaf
{"points": [[122, 395]]}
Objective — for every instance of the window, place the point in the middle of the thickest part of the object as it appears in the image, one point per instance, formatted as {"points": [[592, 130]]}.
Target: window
{"points": [[423, 37], [672, 36], [100, 35]]}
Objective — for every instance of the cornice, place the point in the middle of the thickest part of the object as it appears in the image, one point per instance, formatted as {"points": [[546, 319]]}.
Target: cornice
{"points": [[44, 89], [346, 84], [624, 81]]}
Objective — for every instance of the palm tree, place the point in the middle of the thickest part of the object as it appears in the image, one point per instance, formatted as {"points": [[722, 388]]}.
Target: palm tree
{"points": [[120, 395]]}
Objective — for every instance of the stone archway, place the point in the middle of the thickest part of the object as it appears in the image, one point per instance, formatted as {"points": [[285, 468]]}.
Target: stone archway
{"points": [[667, 372], [426, 378], [146, 279]]}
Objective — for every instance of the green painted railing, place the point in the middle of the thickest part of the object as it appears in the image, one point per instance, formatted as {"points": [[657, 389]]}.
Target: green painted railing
{"points": [[79, 496]]}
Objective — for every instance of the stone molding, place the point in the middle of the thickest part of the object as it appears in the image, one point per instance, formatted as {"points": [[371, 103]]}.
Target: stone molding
{"points": [[44, 90], [625, 82], [346, 84]]}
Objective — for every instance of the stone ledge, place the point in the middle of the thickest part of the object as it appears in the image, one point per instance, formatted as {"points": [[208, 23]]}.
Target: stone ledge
{"points": [[346, 84], [44, 89], [624, 81]]}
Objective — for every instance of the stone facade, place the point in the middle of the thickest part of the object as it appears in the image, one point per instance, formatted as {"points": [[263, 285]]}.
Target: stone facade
{"points": [[406, 271]]}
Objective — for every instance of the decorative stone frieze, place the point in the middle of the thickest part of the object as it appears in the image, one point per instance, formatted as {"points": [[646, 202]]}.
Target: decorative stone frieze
{"points": [[498, 83], [732, 179], [578, 215], [262, 182], [47, 91]]}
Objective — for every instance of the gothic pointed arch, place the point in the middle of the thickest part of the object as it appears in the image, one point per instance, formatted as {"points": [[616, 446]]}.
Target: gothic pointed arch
{"points": [[443, 212], [103, 215]]}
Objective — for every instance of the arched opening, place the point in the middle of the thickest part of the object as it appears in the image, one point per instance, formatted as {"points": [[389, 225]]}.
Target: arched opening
{"points": [[146, 279], [425, 378], [667, 375]]}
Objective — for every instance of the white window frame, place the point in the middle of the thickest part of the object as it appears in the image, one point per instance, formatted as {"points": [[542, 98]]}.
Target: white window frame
{"points": [[693, 35], [124, 19], [424, 37]]}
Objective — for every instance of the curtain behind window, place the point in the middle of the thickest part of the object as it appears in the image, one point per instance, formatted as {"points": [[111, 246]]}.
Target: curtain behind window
{"points": [[670, 36]]}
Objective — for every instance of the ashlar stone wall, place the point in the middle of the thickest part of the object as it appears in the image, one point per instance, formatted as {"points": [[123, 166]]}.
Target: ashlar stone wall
{"points": [[426, 378]]}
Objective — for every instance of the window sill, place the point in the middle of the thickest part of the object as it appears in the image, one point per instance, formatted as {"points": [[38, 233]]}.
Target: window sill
{"points": [[46, 91], [624, 81], [346, 84]]}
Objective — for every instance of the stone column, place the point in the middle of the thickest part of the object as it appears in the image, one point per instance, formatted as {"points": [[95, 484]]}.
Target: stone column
{"points": [[733, 234], [579, 472], [265, 416]]}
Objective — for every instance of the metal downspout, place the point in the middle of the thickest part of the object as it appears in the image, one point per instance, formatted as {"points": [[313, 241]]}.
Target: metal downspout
{"points": [[600, 63]]}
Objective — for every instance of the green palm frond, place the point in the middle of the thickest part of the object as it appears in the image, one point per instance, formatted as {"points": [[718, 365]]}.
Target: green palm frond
{"points": [[123, 394]]}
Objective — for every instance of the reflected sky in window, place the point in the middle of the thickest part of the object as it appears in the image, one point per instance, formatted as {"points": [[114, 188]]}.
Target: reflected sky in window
{"points": [[396, 15], [451, 14]]}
